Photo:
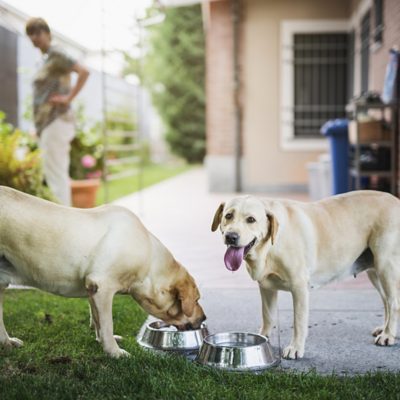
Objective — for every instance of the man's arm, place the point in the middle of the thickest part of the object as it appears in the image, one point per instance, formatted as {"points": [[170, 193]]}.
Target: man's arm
{"points": [[83, 74]]}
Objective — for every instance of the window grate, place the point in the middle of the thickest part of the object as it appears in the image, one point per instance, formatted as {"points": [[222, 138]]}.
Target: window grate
{"points": [[350, 65], [365, 34], [320, 80], [378, 10]]}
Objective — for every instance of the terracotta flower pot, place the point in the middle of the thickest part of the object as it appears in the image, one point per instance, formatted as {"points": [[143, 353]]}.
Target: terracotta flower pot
{"points": [[83, 192]]}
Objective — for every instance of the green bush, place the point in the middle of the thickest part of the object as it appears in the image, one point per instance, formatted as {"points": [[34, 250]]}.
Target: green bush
{"points": [[174, 71], [20, 162]]}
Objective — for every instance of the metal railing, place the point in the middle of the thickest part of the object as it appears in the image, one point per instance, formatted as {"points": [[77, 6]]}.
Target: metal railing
{"points": [[122, 155]]}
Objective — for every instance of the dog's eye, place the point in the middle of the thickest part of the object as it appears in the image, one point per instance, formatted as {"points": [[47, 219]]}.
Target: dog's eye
{"points": [[250, 220], [229, 216]]}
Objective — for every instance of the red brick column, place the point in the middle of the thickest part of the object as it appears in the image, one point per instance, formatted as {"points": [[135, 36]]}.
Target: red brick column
{"points": [[380, 56]]}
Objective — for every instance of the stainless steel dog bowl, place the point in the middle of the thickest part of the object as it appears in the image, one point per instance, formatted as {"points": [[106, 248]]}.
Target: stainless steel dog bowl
{"points": [[237, 351], [160, 336]]}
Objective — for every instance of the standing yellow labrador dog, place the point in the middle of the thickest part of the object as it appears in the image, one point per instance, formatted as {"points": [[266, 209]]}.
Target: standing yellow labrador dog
{"points": [[292, 246], [93, 253]]}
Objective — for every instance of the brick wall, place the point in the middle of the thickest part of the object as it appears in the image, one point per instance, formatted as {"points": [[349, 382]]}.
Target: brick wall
{"points": [[391, 37], [220, 114], [380, 56]]}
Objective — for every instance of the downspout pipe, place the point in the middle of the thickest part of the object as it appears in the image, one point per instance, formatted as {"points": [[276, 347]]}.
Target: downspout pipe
{"points": [[235, 11]]}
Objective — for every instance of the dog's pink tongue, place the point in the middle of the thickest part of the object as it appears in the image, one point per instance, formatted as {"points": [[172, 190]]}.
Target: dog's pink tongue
{"points": [[233, 258]]}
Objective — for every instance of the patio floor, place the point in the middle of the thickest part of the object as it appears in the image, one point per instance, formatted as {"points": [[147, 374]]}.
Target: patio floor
{"points": [[179, 212]]}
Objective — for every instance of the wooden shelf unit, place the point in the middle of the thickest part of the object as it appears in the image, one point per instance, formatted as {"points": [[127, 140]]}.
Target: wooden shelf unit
{"points": [[356, 170]]}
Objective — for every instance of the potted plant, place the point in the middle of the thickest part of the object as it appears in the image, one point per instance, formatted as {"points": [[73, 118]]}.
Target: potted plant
{"points": [[86, 164]]}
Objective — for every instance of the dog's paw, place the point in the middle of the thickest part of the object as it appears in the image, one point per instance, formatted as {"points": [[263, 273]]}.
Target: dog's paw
{"points": [[15, 342], [384, 339], [119, 353], [377, 331], [12, 342], [292, 353]]}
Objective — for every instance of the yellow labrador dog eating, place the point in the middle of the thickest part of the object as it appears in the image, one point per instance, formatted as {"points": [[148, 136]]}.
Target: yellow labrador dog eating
{"points": [[93, 253], [293, 246]]}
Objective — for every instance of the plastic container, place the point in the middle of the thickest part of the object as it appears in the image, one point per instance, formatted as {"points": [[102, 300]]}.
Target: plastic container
{"points": [[320, 178], [337, 132]]}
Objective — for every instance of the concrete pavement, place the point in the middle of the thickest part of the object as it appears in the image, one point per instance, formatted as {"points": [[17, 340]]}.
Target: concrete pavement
{"points": [[179, 212]]}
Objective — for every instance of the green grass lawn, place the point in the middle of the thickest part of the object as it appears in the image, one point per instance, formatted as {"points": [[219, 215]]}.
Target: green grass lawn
{"points": [[150, 175], [62, 360]]}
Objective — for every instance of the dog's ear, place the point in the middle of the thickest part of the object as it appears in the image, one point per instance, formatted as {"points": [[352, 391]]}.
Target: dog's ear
{"points": [[217, 217], [273, 226], [187, 295]]}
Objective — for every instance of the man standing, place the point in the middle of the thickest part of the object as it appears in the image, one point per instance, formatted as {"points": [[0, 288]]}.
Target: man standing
{"points": [[52, 95]]}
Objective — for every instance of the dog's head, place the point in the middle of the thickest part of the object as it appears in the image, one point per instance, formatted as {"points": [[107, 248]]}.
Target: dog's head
{"points": [[245, 224], [177, 303]]}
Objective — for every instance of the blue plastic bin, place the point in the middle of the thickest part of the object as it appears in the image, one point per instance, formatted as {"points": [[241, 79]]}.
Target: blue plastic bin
{"points": [[337, 132]]}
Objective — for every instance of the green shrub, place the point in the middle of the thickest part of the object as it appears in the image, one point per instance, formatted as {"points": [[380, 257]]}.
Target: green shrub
{"points": [[20, 162], [174, 72]]}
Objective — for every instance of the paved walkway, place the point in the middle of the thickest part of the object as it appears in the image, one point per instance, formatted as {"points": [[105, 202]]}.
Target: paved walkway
{"points": [[179, 212]]}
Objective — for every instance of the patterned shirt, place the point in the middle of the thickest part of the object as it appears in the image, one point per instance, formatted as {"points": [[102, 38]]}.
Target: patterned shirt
{"points": [[53, 77]]}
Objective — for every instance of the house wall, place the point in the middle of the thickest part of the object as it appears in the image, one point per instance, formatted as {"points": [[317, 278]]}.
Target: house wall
{"points": [[391, 37], [219, 80], [266, 167], [358, 9], [220, 110], [8, 75], [379, 55]]}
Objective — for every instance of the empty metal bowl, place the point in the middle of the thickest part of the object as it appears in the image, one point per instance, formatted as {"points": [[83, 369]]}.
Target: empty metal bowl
{"points": [[160, 336], [237, 351]]}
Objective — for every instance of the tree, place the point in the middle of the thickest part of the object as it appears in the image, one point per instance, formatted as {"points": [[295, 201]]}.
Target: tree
{"points": [[174, 70]]}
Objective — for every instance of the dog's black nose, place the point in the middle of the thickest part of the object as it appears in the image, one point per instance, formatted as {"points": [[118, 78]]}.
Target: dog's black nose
{"points": [[232, 238]]}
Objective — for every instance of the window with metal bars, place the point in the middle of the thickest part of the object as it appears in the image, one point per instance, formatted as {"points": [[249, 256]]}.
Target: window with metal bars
{"points": [[350, 65], [378, 28], [321, 86], [364, 36]]}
